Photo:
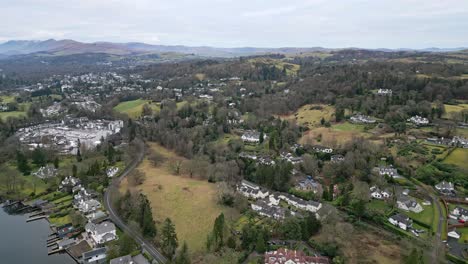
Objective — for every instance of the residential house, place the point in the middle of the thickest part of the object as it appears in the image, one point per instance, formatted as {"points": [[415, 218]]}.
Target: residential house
{"points": [[299, 203], [251, 190], [112, 171], [409, 204], [337, 158], [459, 213], [388, 170], [46, 172], [446, 188], [101, 233], [322, 149], [418, 120], [308, 185], [384, 92], [362, 119], [251, 137], [89, 206], [95, 256], [67, 184], [290, 157], [287, 256], [401, 221], [454, 233], [376, 193], [271, 211]]}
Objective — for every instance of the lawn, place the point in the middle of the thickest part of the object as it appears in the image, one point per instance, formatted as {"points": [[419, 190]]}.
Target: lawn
{"points": [[451, 109], [311, 114], [59, 221], [346, 126], [458, 157], [134, 108], [190, 203], [29, 183], [15, 114], [426, 216], [7, 99], [379, 206], [330, 137], [464, 235]]}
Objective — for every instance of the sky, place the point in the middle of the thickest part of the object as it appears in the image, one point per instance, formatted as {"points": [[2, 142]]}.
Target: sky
{"points": [[242, 23]]}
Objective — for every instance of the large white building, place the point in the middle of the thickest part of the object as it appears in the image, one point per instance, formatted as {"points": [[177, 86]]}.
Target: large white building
{"points": [[101, 233]]}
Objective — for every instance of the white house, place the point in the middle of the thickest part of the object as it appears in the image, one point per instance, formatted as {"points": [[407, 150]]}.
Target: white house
{"points": [[400, 220], [418, 120], [251, 137], [299, 203], [101, 233], [89, 206], [251, 190], [409, 204], [459, 213], [376, 193], [454, 233], [362, 119], [388, 170], [445, 187], [322, 149], [112, 171], [384, 91]]}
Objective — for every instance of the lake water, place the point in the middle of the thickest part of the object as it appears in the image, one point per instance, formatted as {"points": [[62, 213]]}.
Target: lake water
{"points": [[24, 243]]}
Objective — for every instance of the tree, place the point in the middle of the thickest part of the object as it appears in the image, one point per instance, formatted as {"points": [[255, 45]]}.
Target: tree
{"points": [[22, 163], [56, 162], [74, 170], [169, 241], [218, 231], [147, 223], [78, 155], [183, 255], [260, 246]]}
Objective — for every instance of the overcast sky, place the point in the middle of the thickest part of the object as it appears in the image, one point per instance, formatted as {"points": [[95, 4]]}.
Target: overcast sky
{"points": [[236, 23]]}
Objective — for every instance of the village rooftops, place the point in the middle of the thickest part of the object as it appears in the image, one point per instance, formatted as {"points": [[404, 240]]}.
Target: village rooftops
{"points": [[286, 256]]}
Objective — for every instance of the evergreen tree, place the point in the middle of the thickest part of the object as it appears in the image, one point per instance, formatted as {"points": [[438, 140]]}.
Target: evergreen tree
{"points": [[218, 231], [183, 255], [169, 241], [38, 157], [260, 246], [74, 170], [56, 162], [147, 223], [22, 163]]}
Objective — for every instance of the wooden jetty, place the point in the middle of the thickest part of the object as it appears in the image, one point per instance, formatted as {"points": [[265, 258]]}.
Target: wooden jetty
{"points": [[37, 218]]}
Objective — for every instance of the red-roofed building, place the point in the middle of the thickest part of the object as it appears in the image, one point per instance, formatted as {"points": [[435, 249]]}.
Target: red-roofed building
{"points": [[287, 256]]}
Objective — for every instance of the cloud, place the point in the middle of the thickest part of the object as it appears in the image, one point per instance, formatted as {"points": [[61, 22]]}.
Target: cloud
{"points": [[228, 23]]}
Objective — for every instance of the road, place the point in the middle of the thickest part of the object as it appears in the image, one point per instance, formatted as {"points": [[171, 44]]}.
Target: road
{"points": [[113, 187]]}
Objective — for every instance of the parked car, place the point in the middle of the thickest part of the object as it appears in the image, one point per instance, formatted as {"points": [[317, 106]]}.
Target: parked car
{"points": [[461, 221]]}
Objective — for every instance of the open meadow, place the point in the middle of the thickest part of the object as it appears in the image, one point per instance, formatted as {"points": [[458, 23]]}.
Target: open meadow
{"points": [[458, 157], [310, 115], [188, 202], [134, 108]]}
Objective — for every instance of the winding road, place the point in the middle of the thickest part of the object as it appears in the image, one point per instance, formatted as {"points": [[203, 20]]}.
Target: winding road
{"points": [[113, 188]]}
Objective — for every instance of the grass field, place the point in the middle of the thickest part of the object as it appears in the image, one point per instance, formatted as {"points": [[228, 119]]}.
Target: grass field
{"points": [[330, 136], [7, 99], [190, 203], [458, 157], [379, 206], [451, 109], [134, 108], [464, 235], [310, 115], [426, 216], [16, 114]]}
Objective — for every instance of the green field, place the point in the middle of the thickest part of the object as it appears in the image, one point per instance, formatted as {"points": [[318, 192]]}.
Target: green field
{"points": [[426, 216], [464, 235], [458, 157], [450, 110], [7, 99], [346, 126], [15, 114], [134, 108], [311, 114], [183, 199]]}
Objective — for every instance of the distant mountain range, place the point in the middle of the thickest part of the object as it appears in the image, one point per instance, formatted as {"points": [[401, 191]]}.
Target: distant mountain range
{"points": [[69, 47]]}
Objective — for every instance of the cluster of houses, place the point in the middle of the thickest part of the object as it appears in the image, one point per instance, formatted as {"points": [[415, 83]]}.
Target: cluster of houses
{"points": [[263, 160], [337, 158], [456, 141], [98, 230], [287, 256], [268, 205], [362, 119], [418, 120], [287, 156], [68, 135], [459, 213]]}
